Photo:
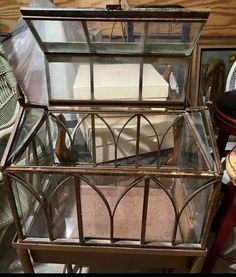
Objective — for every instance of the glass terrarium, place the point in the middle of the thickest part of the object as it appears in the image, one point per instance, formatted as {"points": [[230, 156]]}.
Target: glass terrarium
{"points": [[115, 158]]}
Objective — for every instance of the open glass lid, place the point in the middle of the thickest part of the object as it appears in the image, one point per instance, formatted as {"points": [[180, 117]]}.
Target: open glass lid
{"points": [[134, 56]]}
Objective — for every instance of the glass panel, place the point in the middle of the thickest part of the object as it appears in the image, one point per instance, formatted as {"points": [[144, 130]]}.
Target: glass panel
{"points": [[199, 121], [99, 32], [192, 219], [125, 138], [122, 198], [126, 31], [171, 37], [39, 150], [43, 205], [161, 222], [194, 147], [49, 144], [59, 31], [59, 35], [30, 210], [106, 207], [118, 79], [30, 119], [64, 209], [160, 140], [95, 213], [118, 37]]}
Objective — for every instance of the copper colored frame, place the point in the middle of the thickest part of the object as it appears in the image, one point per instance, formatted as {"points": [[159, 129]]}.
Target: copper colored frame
{"points": [[94, 252]]}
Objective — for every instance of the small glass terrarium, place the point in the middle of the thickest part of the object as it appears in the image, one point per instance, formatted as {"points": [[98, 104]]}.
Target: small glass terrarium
{"points": [[114, 161]]}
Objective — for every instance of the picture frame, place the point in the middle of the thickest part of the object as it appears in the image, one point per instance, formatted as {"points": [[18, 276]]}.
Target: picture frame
{"points": [[210, 56]]}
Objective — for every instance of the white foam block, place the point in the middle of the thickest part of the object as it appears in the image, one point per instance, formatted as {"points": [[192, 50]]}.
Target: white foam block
{"points": [[120, 81], [126, 147]]}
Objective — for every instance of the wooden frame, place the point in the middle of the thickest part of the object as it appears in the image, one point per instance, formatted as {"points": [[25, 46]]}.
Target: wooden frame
{"points": [[213, 48]]}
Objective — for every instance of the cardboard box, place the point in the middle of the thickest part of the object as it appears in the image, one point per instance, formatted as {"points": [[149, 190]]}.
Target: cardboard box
{"points": [[126, 147], [120, 81]]}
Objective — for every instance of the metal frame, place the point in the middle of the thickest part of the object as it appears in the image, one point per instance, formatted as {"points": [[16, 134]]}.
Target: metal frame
{"points": [[182, 253], [91, 250], [91, 58]]}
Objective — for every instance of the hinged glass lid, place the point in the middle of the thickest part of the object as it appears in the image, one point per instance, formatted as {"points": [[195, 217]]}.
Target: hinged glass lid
{"points": [[122, 57], [139, 30]]}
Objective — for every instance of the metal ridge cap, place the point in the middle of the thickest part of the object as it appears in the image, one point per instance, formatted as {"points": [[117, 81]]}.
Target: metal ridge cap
{"points": [[174, 13]]}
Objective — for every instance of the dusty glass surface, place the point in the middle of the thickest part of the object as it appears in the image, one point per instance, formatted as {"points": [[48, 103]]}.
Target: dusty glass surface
{"points": [[118, 35], [115, 157], [99, 34], [112, 206], [30, 119], [157, 140], [117, 78], [176, 142]]}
